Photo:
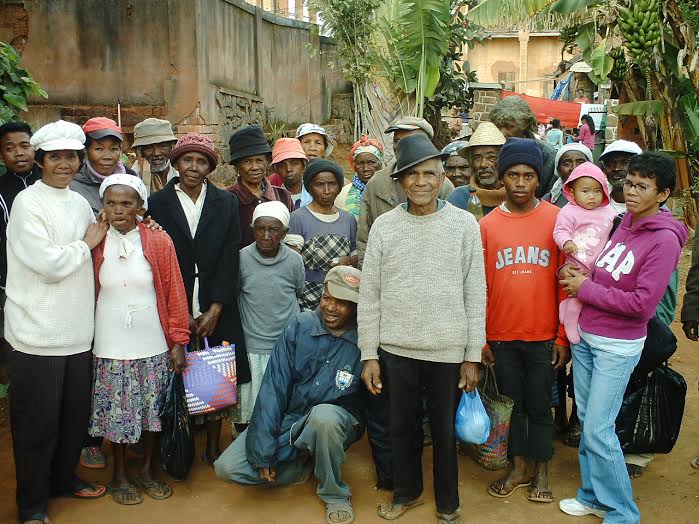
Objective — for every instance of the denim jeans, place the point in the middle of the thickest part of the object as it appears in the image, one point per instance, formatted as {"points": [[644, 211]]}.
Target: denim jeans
{"points": [[327, 433], [600, 381]]}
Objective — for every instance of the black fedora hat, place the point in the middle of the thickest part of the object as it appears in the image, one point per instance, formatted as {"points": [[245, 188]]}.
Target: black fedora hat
{"points": [[412, 150], [248, 141]]}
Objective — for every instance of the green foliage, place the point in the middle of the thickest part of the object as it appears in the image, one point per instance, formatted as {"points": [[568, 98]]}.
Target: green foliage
{"points": [[641, 108], [490, 12], [416, 35], [690, 12], [16, 85]]}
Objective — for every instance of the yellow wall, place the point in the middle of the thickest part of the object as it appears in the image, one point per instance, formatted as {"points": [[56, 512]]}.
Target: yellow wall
{"points": [[502, 54]]}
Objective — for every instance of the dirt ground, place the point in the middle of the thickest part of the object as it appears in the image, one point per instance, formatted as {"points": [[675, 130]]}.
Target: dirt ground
{"points": [[667, 493]]}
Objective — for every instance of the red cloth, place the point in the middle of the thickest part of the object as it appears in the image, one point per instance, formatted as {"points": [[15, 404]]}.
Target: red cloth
{"points": [[546, 110], [276, 180], [521, 264], [167, 279]]}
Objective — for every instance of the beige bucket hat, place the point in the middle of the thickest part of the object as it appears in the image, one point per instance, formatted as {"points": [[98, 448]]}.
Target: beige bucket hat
{"points": [[486, 134], [152, 131]]}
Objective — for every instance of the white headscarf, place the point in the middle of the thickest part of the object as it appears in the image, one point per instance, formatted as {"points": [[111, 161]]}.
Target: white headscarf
{"points": [[557, 189], [124, 179], [273, 209]]}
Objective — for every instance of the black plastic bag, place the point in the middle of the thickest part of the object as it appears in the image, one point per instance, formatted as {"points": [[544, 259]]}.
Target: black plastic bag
{"points": [[176, 440], [651, 414]]}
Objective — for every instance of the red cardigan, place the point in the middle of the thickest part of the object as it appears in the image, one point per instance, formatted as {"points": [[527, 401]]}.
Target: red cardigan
{"points": [[169, 289]]}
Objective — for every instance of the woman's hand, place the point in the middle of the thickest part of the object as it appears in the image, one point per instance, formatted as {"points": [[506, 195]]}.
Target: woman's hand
{"points": [[572, 283], [207, 322], [152, 224], [178, 361], [560, 356], [95, 232]]}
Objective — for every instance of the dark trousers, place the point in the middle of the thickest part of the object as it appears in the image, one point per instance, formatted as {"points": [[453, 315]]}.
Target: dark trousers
{"points": [[379, 431], [525, 374], [406, 377], [49, 410]]}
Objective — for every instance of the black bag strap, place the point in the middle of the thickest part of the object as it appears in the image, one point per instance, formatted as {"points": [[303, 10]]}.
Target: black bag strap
{"points": [[615, 224], [488, 374]]}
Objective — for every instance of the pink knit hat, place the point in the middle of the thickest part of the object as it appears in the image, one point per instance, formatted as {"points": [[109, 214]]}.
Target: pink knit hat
{"points": [[286, 148], [194, 142]]}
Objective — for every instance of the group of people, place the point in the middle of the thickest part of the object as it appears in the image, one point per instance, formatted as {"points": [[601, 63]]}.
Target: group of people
{"points": [[334, 295]]}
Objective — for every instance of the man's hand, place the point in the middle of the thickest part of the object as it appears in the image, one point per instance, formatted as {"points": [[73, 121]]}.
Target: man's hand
{"points": [[570, 248], [468, 376], [207, 322], [691, 329], [268, 474], [487, 356], [560, 356], [178, 361], [371, 375]]}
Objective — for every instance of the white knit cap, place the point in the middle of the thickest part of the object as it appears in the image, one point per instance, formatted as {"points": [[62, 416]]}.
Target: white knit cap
{"points": [[622, 146], [294, 240], [273, 209], [58, 136], [305, 129], [573, 147], [124, 179]]}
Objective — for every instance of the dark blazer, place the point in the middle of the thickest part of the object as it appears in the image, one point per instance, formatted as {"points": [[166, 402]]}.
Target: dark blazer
{"points": [[214, 249]]}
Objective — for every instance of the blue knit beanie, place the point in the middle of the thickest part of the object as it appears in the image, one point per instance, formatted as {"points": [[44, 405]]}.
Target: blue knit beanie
{"points": [[520, 151]]}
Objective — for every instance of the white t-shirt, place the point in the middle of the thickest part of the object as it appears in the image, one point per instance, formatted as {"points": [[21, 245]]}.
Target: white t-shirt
{"points": [[192, 211], [127, 326]]}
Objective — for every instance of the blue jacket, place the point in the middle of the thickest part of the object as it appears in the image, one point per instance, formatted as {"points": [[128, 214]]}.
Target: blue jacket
{"points": [[308, 366]]}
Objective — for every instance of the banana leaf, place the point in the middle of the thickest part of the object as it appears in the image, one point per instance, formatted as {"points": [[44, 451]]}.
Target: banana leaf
{"points": [[491, 12], [571, 6], [641, 108]]}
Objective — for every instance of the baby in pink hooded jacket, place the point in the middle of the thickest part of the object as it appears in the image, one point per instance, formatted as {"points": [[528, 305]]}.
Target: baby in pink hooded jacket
{"points": [[582, 229]]}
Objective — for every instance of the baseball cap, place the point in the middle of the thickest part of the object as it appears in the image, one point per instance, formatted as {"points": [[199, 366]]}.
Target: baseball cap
{"points": [[100, 127], [622, 146], [410, 123], [343, 283]]}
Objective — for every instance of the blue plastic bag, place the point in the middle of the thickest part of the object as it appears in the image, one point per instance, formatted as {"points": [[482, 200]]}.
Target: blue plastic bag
{"points": [[472, 421]]}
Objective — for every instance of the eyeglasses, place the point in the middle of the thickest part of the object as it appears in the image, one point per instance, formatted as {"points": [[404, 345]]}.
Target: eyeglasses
{"points": [[642, 188]]}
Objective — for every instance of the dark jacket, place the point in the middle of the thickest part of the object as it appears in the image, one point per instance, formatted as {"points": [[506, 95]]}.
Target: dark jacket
{"points": [[548, 177], [248, 202], [690, 307], [88, 186], [309, 366], [10, 185], [214, 250]]}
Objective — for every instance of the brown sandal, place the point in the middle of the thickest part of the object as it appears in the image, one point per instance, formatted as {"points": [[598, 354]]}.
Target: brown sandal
{"points": [[540, 495], [391, 511], [493, 492]]}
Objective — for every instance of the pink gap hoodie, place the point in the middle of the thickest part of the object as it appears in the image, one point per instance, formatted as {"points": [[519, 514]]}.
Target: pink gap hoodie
{"points": [[630, 276], [587, 228]]}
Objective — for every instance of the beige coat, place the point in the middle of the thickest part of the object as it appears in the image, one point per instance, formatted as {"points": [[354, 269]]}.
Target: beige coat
{"points": [[382, 194]]}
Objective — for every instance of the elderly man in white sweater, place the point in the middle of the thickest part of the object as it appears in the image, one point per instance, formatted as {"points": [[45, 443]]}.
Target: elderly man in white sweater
{"points": [[49, 324], [422, 257]]}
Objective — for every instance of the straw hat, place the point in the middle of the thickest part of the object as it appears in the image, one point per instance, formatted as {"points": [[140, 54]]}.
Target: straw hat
{"points": [[486, 134]]}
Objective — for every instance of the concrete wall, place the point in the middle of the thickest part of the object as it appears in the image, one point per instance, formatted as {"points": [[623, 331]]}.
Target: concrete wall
{"points": [[504, 53], [206, 65]]}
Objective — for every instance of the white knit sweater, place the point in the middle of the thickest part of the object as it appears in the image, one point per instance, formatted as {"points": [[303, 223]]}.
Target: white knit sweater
{"points": [[50, 306], [422, 293]]}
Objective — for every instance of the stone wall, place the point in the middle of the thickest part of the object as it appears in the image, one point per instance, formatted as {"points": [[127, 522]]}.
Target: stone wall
{"points": [[485, 96], [208, 66]]}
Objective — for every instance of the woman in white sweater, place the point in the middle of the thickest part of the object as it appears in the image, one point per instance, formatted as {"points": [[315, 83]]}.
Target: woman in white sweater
{"points": [[49, 322]]}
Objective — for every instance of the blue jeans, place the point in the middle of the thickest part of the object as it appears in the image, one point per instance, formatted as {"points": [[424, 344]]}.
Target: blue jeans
{"points": [[327, 432], [600, 380]]}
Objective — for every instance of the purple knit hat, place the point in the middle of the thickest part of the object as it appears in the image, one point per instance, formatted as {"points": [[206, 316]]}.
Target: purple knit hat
{"points": [[194, 142]]}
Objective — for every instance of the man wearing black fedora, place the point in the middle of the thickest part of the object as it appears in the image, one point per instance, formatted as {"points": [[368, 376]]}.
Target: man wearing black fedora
{"points": [[251, 157], [383, 192], [401, 321]]}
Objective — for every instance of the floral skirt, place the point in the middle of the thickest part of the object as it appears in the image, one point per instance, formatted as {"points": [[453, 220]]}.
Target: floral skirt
{"points": [[125, 395], [247, 393]]}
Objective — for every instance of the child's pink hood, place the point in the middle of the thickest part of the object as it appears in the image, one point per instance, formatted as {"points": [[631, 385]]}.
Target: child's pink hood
{"points": [[591, 170]]}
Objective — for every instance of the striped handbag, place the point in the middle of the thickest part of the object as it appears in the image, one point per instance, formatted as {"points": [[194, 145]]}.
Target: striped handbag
{"points": [[210, 379]]}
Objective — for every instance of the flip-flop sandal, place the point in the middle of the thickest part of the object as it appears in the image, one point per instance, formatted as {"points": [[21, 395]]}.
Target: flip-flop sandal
{"points": [[540, 495], [449, 518], [84, 490], [391, 511], [572, 437], [335, 508], [694, 462], [154, 489], [125, 495], [496, 493]]}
